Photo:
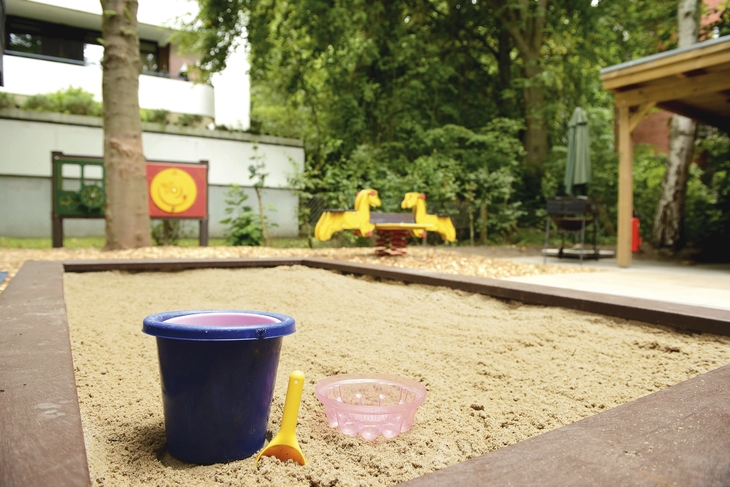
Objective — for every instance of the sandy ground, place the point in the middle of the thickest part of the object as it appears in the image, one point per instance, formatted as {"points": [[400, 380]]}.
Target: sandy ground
{"points": [[441, 259], [496, 372]]}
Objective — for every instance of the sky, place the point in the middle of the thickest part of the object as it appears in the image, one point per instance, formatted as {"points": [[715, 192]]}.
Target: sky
{"points": [[155, 12]]}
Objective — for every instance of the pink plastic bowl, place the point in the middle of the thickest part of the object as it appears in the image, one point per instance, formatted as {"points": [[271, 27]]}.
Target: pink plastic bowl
{"points": [[370, 404]]}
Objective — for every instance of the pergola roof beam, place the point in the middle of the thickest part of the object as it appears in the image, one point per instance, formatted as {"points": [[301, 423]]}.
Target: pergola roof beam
{"points": [[669, 63], [677, 106], [676, 88]]}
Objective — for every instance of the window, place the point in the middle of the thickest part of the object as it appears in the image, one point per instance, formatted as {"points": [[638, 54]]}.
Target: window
{"points": [[25, 43], [52, 40], [148, 53], [62, 42]]}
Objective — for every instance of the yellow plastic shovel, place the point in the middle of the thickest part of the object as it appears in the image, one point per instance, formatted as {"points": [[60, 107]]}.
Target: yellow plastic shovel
{"points": [[284, 445]]}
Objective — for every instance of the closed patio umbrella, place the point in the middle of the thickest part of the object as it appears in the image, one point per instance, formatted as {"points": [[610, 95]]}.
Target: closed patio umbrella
{"points": [[578, 168]]}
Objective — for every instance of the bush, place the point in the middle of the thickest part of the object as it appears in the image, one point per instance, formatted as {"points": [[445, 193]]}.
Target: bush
{"points": [[649, 169], [155, 116], [167, 232], [707, 211], [244, 226], [7, 100], [73, 101], [186, 120]]}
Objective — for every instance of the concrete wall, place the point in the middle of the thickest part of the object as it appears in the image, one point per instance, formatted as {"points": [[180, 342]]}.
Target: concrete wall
{"points": [[26, 76], [28, 138]]}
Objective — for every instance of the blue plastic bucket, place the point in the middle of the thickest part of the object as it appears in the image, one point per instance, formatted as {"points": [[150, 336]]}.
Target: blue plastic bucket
{"points": [[218, 370]]}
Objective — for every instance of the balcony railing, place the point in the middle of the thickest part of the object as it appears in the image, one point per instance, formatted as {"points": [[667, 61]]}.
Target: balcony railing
{"points": [[32, 74]]}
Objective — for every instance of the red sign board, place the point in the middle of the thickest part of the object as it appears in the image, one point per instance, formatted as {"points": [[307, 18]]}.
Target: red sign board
{"points": [[177, 190]]}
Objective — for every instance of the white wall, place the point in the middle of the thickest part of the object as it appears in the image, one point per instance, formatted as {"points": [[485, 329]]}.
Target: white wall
{"points": [[25, 76], [25, 170], [229, 159], [27, 146]]}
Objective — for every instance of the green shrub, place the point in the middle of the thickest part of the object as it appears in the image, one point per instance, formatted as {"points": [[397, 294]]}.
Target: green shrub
{"points": [[7, 100], [167, 232], [244, 226], [186, 120], [707, 211], [40, 103], [155, 116], [649, 169], [73, 101]]}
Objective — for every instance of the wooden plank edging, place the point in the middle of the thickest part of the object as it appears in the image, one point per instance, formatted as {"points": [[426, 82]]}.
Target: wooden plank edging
{"points": [[41, 438], [676, 436]]}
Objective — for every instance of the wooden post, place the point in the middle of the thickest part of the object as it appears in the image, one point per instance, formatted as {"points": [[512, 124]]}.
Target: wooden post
{"points": [[56, 220], [56, 231], [625, 187], [203, 233]]}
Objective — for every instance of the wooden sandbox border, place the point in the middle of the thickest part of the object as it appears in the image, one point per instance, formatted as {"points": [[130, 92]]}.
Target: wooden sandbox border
{"points": [[676, 436]]}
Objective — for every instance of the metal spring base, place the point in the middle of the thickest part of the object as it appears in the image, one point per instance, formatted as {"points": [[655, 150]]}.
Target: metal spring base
{"points": [[391, 243]]}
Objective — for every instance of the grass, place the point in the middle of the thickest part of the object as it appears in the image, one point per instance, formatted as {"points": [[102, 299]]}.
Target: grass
{"points": [[98, 242], [45, 243]]}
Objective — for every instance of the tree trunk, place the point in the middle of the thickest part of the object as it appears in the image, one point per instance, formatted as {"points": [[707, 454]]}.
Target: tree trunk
{"points": [[536, 144], [669, 219], [668, 228], [483, 224], [525, 22], [507, 107], [127, 213]]}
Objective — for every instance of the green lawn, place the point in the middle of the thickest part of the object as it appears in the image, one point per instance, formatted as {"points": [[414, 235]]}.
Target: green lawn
{"points": [[98, 242]]}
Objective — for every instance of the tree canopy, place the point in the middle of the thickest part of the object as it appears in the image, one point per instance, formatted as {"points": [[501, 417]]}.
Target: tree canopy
{"points": [[435, 93]]}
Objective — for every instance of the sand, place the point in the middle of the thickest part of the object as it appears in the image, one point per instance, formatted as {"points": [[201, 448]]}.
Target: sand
{"points": [[496, 372]]}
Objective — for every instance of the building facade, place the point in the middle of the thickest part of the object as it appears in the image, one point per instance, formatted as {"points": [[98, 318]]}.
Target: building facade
{"points": [[51, 45]]}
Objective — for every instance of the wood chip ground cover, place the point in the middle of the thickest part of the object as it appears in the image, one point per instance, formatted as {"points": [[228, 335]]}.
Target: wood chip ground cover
{"points": [[440, 259]]}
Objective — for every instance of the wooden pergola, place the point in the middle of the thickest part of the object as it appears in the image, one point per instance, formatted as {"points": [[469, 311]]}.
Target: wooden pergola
{"points": [[692, 81]]}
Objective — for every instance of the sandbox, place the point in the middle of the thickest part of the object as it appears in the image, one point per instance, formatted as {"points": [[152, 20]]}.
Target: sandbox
{"points": [[469, 411]]}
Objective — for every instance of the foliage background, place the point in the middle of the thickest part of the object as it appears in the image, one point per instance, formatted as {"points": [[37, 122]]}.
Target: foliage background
{"points": [[432, 96]]}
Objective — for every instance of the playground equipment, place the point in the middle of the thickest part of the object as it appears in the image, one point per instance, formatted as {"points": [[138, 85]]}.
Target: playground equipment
{"points": [[284, 445], [392, 229], [176, 191], [442, 224], [217, 373], [333, 221], [369, 404]]}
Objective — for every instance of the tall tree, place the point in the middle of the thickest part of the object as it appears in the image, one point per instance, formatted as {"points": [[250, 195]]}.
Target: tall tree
{"points": [[525, 21], [127, 214], [668, 230]]}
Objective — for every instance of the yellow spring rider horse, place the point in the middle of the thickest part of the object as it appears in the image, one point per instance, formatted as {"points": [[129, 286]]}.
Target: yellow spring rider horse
{"points": [[333, 221], [442, 223]]}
